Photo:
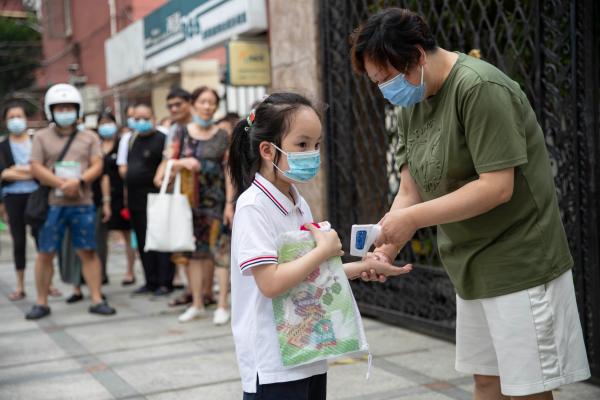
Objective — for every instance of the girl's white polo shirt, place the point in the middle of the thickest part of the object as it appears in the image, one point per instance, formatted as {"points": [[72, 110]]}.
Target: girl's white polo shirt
{"points": [[262, 214]]}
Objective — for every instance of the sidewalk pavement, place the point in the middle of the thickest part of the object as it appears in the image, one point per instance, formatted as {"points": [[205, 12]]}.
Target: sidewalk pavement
{"points": [[144, 353]]}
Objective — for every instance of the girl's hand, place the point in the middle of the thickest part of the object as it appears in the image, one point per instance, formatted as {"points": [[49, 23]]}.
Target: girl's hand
{"points": [[228, 214], [328, 243], [376, 270]]}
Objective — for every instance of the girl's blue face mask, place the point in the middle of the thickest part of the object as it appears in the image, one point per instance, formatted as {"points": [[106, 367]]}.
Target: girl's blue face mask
{"points": [[400, 92], [303, 165]]}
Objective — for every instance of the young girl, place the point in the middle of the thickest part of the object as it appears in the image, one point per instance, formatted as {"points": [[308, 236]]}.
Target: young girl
{"points": [[276, 146]]}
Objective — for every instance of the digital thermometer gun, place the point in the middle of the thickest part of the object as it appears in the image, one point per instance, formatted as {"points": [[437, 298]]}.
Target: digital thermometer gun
{"points": [[362, 238]]}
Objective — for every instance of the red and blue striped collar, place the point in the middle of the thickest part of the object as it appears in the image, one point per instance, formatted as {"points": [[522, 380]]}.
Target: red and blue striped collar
{"points": [[281, 201]]}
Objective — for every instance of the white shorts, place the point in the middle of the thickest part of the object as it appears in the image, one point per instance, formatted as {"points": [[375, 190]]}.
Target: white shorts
{"points": [[531, 339]]}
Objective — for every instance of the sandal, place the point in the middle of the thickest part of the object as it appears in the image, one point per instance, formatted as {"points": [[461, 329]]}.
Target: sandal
{"points": [[54, 292], [182, 300], [128, 282], [17, 295]]}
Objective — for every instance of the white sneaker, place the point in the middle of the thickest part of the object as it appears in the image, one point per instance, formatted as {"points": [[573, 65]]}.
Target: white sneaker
{"points": [[221, 316], [192, 313]]}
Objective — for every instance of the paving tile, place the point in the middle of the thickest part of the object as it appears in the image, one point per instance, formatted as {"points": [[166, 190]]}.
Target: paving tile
{"points": [[346, 379], [50, 381], [220, 391], [27, 347], [189, 369], [437, 363]]}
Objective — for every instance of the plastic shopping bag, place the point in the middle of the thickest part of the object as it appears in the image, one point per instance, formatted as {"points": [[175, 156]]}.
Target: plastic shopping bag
{"points": [[318, 319]]}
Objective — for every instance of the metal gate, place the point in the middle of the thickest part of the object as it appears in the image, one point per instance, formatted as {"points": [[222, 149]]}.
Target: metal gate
{"points": [[552, 49]]}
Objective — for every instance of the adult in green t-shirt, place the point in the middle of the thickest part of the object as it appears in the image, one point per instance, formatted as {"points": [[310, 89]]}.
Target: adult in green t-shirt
{"points": [[474, 163]]}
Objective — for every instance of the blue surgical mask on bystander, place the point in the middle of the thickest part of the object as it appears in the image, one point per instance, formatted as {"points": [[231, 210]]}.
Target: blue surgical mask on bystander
{"points": [[16, 125], [65, 118]]}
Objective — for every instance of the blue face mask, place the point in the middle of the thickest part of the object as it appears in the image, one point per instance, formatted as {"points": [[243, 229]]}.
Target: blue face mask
{"points": [[107, 131], [205, 123], [131, 123], [17, 125], [401, 92], [143, 125], [65, 118], [303, 165], [81, 127]]}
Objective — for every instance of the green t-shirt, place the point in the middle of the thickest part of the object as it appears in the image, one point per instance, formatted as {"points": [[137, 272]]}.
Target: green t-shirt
{"points": [[481, 121]]}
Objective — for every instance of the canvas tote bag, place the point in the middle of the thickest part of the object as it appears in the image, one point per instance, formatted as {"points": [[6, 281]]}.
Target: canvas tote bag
{"points": [[170, 226]]}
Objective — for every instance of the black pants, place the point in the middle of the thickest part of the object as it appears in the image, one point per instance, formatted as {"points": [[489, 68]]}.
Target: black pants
{"points": [[158, 269], [15, 207], [313, 388]]}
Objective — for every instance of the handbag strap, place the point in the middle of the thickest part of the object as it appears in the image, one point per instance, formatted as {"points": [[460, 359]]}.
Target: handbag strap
{"points": [[64, 150], [6, 157], [167, 175]]}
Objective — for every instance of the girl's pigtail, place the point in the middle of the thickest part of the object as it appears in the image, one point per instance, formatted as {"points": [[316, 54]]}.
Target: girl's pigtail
{"points": [[241, 158]]}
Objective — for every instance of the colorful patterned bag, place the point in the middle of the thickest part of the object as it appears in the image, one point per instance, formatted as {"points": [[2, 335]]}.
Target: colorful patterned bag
{"points": [[318, 319]]}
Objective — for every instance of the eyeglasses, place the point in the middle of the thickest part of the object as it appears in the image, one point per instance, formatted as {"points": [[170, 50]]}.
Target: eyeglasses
{"points": [[174, 105]]}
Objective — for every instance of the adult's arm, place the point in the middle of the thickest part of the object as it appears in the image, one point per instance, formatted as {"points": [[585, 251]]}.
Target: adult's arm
{"points": [[94, 170], [475, 198], [492, 115], [16, 173], [408, 195], [45, 175], [122, 153]]}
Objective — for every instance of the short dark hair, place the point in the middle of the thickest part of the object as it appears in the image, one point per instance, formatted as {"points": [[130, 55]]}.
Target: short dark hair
{"points": [[393, 35], [196, 93], [144, 105], [12, 104], [231, 117], [106, 115], [181, 93], [272, 120]]}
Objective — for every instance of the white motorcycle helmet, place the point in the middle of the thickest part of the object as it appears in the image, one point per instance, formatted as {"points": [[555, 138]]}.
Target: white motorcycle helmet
{"points": [[62, 93]]}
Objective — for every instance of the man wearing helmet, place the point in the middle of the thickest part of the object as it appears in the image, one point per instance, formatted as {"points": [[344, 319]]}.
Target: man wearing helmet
{"points": [[70, 200]]}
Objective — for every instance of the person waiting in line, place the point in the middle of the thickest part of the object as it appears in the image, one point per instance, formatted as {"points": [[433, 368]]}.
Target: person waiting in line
{"points": [[70, 198], [179, 105], [200, 151], [163, 125], [17, 186], [138, 159], [108, 199], [69, 262], [112, 184]]}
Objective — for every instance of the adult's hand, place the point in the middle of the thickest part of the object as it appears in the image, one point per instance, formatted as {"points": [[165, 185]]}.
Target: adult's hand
{"points": [[189, 163], [228, 215], [106, 212], [71, 187], [397, 228]]}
